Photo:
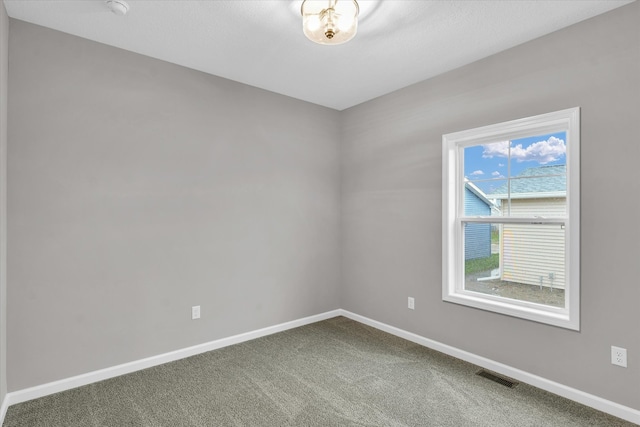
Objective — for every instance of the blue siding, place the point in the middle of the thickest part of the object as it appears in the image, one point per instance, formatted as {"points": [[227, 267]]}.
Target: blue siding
{"points": [[477, 237]]}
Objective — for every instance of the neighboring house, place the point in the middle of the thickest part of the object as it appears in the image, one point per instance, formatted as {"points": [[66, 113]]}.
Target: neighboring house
{"points": [[477, 237], [534, 254]]}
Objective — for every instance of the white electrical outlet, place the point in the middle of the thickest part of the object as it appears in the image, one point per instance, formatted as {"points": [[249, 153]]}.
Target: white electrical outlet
{"points": [[619, 356], [411, 303], [195, 312]]}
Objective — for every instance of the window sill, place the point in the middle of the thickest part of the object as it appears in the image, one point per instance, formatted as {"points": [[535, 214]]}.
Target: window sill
{"points": [[559, 317]]}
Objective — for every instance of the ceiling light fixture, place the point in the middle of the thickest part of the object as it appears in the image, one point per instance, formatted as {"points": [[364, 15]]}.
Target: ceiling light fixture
{"points": [[330, 21], [119, 7]]}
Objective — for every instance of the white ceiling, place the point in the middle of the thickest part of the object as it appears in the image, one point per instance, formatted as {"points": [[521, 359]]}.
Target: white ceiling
{"points": [[260, 42]]}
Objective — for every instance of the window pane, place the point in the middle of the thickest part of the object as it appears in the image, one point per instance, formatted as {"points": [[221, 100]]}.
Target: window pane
{"points": [[528, 155], [524, 168], [486, 165], [524, 262]]}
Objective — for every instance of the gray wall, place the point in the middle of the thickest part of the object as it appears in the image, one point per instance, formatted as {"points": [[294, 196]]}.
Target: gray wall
{"points": [[138, 188], [4, 52], [392, 201]]}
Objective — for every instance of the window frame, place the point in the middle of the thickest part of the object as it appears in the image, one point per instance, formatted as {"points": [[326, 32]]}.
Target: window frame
{"points": [[453, 217]]}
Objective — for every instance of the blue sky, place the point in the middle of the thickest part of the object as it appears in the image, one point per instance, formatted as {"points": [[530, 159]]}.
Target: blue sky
{"points": [[486, 165]]}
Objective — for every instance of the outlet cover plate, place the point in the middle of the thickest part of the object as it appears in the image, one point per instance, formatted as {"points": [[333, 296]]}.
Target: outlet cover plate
{"points": [[195, 312], [411, 304], [619, 356]]}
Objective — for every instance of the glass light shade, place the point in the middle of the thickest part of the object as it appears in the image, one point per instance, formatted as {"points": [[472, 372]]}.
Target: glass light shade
{"points": [[330, 21]]}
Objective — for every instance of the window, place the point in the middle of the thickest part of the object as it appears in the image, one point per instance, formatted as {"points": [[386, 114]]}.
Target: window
{"points": [[511, 213]]}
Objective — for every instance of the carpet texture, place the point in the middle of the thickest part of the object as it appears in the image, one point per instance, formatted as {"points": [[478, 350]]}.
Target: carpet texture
{"points": [[332, 373]]}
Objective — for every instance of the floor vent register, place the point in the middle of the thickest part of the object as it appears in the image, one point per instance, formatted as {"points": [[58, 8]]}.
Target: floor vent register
{"points": [[507, 382]]}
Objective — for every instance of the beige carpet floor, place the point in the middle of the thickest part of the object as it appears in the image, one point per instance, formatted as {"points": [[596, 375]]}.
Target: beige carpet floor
{"points": [[332, 373]]}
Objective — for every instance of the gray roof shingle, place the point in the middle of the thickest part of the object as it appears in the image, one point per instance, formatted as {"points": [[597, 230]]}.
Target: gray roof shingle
{"points": [[557, 183]]}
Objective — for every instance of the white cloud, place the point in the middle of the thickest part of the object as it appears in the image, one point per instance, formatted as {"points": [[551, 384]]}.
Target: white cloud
{"points": [[498, 174], [501, 165], [542, 151], [476, 173]]}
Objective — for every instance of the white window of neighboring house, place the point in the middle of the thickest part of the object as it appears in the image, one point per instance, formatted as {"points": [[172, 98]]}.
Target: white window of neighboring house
{"points": [[511, 218]]}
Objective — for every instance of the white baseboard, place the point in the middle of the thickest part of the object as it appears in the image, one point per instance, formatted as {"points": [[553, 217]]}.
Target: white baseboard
{"points": [[3, 409], [615, 409], [126, 368], [596, 402]]}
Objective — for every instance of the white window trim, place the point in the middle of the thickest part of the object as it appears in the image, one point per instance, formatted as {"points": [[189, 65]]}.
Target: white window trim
{"points": [[452, 209]]}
